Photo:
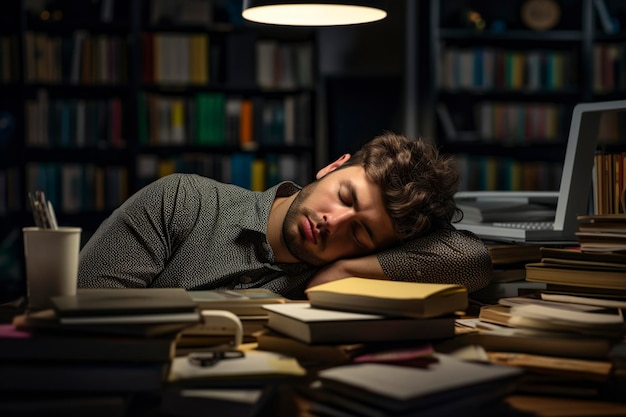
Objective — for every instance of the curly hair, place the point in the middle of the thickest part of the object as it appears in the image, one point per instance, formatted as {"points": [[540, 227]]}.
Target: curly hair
{"points": [[418, 184]]}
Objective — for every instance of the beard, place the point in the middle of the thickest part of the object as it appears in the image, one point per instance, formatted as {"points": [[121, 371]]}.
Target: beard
{"points": [[294, 241]]}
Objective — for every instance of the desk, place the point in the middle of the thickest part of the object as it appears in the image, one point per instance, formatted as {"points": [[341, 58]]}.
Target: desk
{"points": [[288, 402]]}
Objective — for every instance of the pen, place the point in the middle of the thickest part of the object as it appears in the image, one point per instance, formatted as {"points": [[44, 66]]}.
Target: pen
{"points": [[52, 216], [43, 211]]}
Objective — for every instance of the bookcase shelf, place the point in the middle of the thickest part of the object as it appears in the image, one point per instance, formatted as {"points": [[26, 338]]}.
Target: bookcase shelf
{"points": [[502, 93], [79, 79]]}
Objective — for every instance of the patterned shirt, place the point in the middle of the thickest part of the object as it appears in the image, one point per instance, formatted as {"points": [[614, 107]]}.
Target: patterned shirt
{"points": [[193, 232]]}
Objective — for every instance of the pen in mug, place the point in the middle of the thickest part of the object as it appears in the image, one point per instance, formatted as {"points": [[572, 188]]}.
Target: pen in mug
{"points": [[43, 211]]}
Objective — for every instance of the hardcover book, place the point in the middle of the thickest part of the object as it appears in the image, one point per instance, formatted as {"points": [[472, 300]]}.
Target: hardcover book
{"points": [[16, 344], [552, 273], [393, 298], [126, 306], [47, 320], [245, 302], [400, 389], [123, 301], [316, 325], [539, 342]]}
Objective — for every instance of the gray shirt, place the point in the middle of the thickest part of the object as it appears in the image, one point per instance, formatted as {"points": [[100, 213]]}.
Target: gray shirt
{"points": [[193, 232]]}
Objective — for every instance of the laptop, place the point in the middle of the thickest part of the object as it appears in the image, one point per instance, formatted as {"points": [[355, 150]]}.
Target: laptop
{"points": [[573, 196]]}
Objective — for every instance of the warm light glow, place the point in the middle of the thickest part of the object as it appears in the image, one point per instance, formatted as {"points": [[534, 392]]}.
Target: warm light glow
{"points": [[313, 14]]}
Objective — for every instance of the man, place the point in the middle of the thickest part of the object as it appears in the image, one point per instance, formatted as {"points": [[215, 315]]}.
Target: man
{"points": [[384, 213]]}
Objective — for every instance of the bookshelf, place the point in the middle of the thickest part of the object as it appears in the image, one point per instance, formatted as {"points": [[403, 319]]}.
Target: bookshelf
{"points": [[502, 93], [102, 97]]}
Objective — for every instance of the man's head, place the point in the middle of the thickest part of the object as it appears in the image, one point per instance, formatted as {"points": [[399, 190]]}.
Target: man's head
{"points": [[418, 184], [392, 189]]}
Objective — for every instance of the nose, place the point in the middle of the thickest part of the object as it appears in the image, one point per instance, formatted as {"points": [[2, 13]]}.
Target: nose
{"points": [[333, 221]]}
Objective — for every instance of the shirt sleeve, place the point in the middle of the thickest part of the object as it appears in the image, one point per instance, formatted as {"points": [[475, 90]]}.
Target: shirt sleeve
{"points": [[445, 256], [131, 246]]}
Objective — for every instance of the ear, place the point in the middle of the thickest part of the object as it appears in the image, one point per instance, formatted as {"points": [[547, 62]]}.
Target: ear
{"points": [[332, 166]]}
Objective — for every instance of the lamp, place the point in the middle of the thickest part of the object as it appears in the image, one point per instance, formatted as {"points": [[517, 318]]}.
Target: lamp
{"points": [[314, 12]]}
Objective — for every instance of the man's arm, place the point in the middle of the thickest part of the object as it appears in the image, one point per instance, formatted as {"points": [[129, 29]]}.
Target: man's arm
{"points": [[444, 256], [130, 248]]}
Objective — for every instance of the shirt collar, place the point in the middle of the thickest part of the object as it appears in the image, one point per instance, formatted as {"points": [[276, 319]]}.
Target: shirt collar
{"points": [[257, 215]]}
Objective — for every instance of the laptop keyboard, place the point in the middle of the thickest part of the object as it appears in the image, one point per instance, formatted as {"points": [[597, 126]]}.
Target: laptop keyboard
{"points": [[526, 225]]}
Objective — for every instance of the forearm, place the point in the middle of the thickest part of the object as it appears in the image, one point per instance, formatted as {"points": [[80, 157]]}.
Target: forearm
{"points": [[367, 266]]}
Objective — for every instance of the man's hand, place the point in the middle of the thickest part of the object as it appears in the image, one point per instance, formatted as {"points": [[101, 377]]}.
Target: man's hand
{"points": [[365, 267]]}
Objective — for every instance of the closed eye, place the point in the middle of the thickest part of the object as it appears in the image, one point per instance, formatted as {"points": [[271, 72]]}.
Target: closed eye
{"points": [[345, 196]]}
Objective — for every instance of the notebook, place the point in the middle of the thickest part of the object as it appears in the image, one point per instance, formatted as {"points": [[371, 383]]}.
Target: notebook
{"points": [[572, 198]]}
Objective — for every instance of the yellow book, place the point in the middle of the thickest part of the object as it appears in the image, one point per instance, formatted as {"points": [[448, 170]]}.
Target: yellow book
{"points": [[166, 167], [177, 116], [199, 58], [395, 298], [258, 175]]}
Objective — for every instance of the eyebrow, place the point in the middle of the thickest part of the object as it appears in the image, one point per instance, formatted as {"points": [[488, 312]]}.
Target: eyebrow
{"points": [[352, 191]]}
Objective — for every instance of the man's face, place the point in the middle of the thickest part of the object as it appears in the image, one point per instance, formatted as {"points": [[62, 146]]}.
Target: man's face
{"points": [[339, 216]]}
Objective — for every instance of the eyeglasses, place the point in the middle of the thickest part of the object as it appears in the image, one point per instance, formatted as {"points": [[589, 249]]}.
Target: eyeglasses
{"points": [[206, 359]]}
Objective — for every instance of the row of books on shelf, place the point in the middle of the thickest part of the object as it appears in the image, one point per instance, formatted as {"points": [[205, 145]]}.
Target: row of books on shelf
{"points": [[609, 67], [514, 123], [80, 58], [246, 169], [479, 172], [75, 187], [239, 59], [68, 123], [176, 58], [503, 123], [487, 68], [609, 183], [217, 119], [8, 59]]}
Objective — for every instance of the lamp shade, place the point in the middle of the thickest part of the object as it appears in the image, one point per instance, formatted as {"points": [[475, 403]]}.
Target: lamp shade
{"points": [[314, 12]]}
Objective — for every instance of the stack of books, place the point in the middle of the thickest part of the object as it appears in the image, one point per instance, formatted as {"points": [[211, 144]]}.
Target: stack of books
{"points": [[508, 276], [444, 387], [87, 354], [595, 268], [354, 316], [362, 310], [563, 342], [577, 271], [378, 337], [602, 233]]}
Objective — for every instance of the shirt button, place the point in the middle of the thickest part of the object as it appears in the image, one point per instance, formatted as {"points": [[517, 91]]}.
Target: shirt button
{"points": [[245, 279]]}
